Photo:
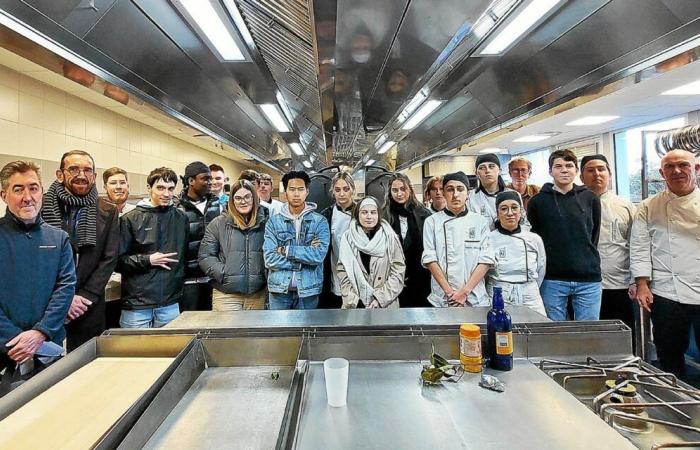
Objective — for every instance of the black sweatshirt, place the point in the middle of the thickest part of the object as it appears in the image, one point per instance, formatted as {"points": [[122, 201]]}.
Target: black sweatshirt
{"points": [[569, 225]]}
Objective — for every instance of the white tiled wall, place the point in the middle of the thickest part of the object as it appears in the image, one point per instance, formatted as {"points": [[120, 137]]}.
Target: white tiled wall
{"points": [[40, 123]]}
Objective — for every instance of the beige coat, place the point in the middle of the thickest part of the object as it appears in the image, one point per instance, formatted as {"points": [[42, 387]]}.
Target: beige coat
{"points": [[386, 275]]}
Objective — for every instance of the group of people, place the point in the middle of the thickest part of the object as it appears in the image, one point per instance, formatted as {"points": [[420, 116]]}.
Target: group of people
{"points": [[565, 250]]}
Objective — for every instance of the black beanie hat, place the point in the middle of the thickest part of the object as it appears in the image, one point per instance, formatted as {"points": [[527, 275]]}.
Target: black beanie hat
{"points": [[194, 169], [508, 195], [586, 159], [488, 157], [456, 176]]}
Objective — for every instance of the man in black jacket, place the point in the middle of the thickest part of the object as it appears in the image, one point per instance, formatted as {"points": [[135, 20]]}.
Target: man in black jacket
{"points": [[152, 263], [567, 217], [201, 207], [71, 203], [38, 274]]}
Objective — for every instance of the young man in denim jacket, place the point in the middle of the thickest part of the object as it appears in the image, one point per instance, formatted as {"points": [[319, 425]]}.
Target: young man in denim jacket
{"points": [[296, 243]]}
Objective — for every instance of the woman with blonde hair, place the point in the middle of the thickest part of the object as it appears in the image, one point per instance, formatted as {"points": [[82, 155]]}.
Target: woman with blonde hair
{"points": [[338, 216], [406, 216], [231, 252], [371, 264]]}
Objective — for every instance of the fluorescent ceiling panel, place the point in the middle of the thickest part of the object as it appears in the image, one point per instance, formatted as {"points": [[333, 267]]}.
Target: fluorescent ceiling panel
{"points": [[492, 150], [385, 147], [687, 89], [423, 112], [591, 120], [307, 164], [274, 115], [209, 21], [533, 138], [370, 162], [296, 148]]}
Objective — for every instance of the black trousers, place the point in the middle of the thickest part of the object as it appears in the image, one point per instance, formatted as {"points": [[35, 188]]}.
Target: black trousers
{"points": [[616, 304], [672, 322], [87, 326], [196, 297]]}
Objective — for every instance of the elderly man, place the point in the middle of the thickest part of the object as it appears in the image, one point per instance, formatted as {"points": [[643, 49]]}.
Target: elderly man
{"points": [[116, 184], [71, 203], [616, 219], [665, 253], [520, 170], [38, 274]]}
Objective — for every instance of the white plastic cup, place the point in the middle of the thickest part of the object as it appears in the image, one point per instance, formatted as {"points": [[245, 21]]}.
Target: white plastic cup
{"points": [[336, 373]]}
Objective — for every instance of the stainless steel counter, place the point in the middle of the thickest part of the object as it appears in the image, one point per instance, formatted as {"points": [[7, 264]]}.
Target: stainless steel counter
{"points": [[329, 318], [388, 408]]}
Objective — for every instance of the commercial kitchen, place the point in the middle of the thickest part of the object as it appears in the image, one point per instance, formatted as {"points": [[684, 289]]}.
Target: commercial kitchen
{"points": [[372, 88]]}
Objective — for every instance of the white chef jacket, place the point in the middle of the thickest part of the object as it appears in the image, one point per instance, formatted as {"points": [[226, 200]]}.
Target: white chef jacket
{"points": [[274, 207], [455, 243], [485, 204], [617, 215], [665, 245], [518, 263]]}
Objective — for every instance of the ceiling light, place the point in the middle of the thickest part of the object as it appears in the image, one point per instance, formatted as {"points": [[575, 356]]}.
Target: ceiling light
{"points": [[591, 120], [524, 21], [385, 148], [414, 104], [307, 164], [533, 138], [274, 114], [296, 148], [423, 112], [209, 21], [370, 162], [492, 150], [687, 89], [285, 107]]}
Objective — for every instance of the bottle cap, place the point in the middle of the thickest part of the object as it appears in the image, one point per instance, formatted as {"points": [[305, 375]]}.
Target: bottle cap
{"points": [[470, 330]]}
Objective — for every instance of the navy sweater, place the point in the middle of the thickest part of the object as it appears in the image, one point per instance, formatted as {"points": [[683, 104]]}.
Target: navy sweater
{"points": [[38, 279], [569, 225]]}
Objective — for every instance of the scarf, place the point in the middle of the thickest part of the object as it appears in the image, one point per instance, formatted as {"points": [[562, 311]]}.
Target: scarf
{"points": [[57, 200], [356, 239]]}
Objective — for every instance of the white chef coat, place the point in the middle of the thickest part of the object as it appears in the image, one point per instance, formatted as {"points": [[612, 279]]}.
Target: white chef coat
{"points": [[665, 245], [518, 263], [455, 243], [617, 215], [274, 207]]}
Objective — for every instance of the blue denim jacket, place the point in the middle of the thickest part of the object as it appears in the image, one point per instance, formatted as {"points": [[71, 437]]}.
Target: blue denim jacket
{"points": [[301, 257]]}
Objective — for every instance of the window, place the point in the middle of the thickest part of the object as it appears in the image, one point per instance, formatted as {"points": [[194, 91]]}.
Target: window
{"points": [[629, 146]]}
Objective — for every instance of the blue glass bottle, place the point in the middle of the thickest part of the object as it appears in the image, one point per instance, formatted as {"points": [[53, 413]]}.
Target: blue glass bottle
{"points": [[499, 328]]}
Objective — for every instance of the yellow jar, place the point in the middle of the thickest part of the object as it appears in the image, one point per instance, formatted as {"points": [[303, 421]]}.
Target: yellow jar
{"points": [[470, 347]]}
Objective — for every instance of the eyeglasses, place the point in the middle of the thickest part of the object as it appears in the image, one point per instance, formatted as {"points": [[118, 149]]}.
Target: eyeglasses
{"points": [[245, 199], [74, 171], [520, 170]]}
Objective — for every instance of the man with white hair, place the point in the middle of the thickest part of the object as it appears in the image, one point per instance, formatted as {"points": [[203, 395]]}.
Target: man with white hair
{"points": [[664, 258]]}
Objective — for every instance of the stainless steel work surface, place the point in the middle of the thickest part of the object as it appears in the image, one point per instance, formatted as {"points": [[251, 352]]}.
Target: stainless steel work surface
{"points": [[344, 318], [389, 408], [228, 408]]}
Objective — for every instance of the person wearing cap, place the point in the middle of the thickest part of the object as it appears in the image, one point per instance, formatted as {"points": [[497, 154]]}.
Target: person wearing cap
{"points": [[664, 259], [520, 169], [371, 264], [433, 195], [616, 217], [513, 258], [201, 207], [452, 241], [567, 218], [483, 200]]}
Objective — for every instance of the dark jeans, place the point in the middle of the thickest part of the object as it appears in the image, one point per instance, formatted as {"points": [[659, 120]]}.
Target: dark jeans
{"points": [[196, 297], [672, 322], [616, 304], [87, 326]]}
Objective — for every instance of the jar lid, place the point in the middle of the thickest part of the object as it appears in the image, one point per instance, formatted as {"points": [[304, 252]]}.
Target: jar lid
{"points": [[470, 330]]}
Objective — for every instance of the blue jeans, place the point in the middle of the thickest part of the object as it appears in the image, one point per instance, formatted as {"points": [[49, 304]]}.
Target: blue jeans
{"points": [[149, 318], [291, 300], [585, 298]]}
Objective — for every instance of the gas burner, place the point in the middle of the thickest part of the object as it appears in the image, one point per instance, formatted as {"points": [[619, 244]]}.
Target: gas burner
{"points": [[652, 409]]}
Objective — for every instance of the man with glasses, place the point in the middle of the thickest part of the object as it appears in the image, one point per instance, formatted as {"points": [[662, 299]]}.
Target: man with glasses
{"points": [[520, 170], [265, 193], [71, 203]]}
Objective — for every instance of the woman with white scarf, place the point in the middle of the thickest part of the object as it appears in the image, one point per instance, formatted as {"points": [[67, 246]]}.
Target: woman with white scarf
{"points": [[371, 264]]}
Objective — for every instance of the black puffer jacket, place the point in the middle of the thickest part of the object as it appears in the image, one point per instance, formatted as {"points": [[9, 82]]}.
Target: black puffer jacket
{"points": [[144, 231], [232, 257], [198, 224]]}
